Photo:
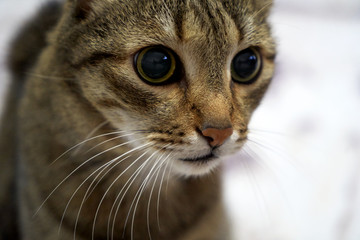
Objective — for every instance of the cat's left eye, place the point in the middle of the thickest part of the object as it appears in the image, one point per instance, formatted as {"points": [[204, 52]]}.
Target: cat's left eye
{"points": [[155, 65], [246, 66]]}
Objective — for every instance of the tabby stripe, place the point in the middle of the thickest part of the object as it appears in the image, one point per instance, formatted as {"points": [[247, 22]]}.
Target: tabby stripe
{"points": [[129, 93], [94, 59], [270, 57], [200, 16], [209, 16], [179, 19], [235, 16], [258, 93], [212, 17], [110, 103]]}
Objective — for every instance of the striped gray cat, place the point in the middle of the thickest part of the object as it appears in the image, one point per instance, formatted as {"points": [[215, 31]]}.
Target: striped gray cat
{"points": [[119, 113]]}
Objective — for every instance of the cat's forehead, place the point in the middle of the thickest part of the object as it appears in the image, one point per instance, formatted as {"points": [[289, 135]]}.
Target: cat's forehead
{"points": [[206, 24], [192, 19], [207, 21], [206, 29], [187, 19]]}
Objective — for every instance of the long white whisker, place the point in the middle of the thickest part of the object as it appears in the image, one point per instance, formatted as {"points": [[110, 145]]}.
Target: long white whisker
{"points": [[91, 134], [112, 208], [262, 144], [83, 142], [257, 131], [77, 168], [151, 192], [128, 183], [142, 186], [115, 159], [253, 155], [250, 152], [86, 193], [168, 177], [138, 196], [108, 140], [154, 169], [160, 187], [102, 199], [275, 150], [256, 188], [103, 167], [67, 205]]}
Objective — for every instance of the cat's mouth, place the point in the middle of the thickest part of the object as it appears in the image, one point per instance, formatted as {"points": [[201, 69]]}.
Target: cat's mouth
{"points": [[203, 159]]}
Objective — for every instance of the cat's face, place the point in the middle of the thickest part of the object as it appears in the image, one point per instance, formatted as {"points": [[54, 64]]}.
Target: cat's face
{"points": [[170, 70]]}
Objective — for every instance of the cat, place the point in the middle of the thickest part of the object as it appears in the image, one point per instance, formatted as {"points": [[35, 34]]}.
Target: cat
{"points": [[119, 113]]}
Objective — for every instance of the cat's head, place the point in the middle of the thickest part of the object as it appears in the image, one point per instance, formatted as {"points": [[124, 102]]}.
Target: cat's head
{"points": [[185, 76]]}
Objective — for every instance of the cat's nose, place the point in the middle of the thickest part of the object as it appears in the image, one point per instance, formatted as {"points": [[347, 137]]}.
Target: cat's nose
{"points": [[215, 136]]}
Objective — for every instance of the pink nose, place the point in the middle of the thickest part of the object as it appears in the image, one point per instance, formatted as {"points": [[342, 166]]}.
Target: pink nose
{"points": [[217, 137]]}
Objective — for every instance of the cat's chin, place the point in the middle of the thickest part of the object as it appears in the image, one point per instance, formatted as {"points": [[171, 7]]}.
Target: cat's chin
{"points": [[196, 167]]}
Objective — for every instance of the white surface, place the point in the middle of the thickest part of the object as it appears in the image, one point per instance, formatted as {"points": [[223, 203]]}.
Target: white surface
{"points": [[12, 15], [303, 184]]}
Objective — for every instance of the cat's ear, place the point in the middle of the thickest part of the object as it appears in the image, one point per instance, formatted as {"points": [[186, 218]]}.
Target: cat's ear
{"points": [[82, 8]]}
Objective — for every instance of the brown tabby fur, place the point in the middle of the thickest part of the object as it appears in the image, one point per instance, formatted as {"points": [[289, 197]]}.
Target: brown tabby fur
{"points": [[82, 78]]}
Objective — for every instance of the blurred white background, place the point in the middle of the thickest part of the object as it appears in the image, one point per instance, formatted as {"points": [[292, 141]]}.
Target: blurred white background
{"points": [[299, 176]]}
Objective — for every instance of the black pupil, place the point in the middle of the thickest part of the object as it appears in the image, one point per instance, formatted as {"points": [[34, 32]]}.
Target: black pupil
{"points": [[245, 63], [156, 63]]}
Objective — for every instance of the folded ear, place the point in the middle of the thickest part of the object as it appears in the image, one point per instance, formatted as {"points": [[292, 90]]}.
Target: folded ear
{"points": [[82, 8]]}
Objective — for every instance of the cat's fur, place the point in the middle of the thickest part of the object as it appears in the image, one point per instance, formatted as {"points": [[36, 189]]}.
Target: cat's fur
{"points": [[82, 78]]}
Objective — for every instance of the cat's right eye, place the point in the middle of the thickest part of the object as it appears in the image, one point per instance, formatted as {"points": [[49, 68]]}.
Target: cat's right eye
{"points": [[155, 65]]}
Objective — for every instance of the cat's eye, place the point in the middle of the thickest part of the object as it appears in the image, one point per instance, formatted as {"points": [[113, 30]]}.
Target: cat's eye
{"points": [[246, 66], [155, 65]]}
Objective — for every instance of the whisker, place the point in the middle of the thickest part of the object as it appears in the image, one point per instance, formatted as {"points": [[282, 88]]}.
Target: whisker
{"points": [[258, 131], [67, 205], [266, 166], [92, 133], [160, 187], [117, 197], [109, 140], [138, 196], [115, 159], [158, 166], [168, 177], [256, 188], [253, 155], [149, 202], [87, 194], [139, 192], [102, 199], [103, 167], [77, 168], [151, 192], [133, 177], [83, 142], [291, 159], [114, 167]]}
